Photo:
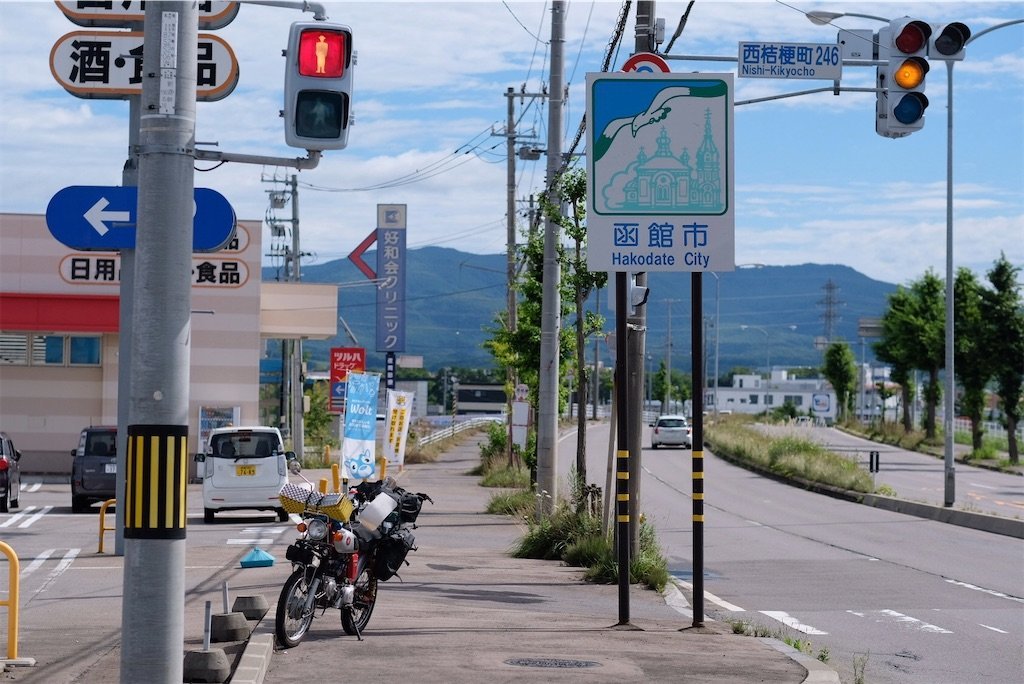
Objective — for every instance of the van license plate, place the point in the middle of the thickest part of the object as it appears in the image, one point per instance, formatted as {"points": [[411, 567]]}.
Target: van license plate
{"points": [[245, 470], [110, 468]]}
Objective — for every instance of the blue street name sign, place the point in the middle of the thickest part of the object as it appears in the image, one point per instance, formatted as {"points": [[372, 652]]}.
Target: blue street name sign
{"points": [[89, 217]]}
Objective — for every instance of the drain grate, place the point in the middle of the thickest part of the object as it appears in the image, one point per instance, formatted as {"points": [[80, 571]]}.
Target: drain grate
{"points": [[558, 663]]}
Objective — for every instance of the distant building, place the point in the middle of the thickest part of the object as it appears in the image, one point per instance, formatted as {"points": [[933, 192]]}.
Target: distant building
{"points": [[753, 394]]}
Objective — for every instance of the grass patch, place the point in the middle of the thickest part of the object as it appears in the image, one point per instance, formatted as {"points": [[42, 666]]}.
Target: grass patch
{"points": [[758, 630], [519, 503], [789, 457]]}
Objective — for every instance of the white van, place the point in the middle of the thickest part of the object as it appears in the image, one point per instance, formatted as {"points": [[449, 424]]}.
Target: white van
{"points": [[243, 468]]}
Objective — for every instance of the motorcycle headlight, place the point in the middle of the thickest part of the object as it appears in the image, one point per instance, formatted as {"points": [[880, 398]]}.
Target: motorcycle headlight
{"points": [[316, 529]]}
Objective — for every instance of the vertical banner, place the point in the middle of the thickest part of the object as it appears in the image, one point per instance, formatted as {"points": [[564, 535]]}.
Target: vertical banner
{"points": [[344, 360], [391, 277], [358, 448], [396, 426]]}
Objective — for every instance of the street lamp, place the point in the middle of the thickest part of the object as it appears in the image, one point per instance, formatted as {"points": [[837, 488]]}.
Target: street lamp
{"points": [[767, 351], [825, 18]]}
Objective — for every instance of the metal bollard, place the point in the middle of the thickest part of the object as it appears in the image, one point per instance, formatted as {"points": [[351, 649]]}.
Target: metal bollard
{"points": [[103, 521]]}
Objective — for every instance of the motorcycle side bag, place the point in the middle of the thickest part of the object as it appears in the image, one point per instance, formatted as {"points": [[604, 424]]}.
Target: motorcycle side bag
{"points": [[391, 553]]}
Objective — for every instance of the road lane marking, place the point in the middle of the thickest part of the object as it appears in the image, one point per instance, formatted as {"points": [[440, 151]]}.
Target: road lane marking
{"points": [[790, 621], [36, 562], [61, 568], [994, 629], [893, 616], [249, 540], [721, 603], [35, 517], [17, 516], [991, 592], [31, 487]]}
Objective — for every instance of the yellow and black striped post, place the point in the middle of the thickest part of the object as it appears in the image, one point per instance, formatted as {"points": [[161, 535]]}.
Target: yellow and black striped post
{"points": [[622, 521], [155, 482], [697, 330]]}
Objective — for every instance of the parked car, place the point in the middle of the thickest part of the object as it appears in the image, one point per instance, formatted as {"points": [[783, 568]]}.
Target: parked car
{"points": [[243, 468], [672, 431], [94, 469], [10, 475]]}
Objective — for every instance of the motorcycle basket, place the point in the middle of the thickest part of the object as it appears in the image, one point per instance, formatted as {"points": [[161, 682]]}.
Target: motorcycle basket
{"points": [[297, 499]]}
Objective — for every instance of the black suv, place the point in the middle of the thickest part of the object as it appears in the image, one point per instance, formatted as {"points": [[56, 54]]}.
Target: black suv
{"points": [[94, 470], [10, 478]]}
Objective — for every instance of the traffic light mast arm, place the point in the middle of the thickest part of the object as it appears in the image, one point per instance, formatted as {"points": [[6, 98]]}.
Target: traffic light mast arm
{"points": [[826, 89], [302, 164], [318, 10]]}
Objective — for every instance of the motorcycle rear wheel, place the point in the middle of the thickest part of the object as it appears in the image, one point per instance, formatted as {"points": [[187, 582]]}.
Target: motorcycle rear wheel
{"points": [[292, 620], [354, 618]]}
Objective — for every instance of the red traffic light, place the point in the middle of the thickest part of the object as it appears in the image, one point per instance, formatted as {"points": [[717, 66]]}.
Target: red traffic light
{"points": [[913, 37], [323, 53], [951, 39]]}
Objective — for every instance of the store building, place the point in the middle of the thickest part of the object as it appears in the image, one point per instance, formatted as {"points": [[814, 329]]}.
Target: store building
{"points": [[59, 336]]}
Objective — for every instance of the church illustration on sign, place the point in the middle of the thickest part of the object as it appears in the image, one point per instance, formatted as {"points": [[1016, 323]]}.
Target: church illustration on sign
{"points": [[670, 183]]}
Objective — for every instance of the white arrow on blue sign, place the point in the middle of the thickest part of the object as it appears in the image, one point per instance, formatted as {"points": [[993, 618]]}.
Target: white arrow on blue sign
{"points": [[89, 217]]}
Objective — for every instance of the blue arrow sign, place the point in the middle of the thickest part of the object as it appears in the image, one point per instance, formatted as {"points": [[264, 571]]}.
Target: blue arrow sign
{"points": [[89, 217]]}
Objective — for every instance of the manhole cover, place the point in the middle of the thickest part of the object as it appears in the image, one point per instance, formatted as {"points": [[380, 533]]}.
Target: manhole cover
{"points": [[560, 663]]}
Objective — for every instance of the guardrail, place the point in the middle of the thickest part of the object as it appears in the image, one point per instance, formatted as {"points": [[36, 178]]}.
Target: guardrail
{"points": [[452, 430]]}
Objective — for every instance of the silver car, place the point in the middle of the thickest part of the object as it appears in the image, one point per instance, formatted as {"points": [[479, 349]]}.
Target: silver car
{"points": [[672, 431]]}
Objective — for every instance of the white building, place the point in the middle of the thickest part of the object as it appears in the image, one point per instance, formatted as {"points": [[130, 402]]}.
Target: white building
{"points": [[753, 394]]}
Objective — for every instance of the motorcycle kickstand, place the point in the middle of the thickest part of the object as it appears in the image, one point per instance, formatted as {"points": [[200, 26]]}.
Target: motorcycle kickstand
{"points": [[359, 637]]}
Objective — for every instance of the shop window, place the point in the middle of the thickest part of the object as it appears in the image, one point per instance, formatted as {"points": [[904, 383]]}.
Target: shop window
{"points": [[85, 351]]}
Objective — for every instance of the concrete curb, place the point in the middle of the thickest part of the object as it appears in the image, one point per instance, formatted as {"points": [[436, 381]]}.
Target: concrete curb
{"points": [[817, 671], [255, 661], [984, 522]]}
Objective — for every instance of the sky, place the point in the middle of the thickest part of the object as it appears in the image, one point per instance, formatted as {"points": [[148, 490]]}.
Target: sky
{"points": [[814, 182]]}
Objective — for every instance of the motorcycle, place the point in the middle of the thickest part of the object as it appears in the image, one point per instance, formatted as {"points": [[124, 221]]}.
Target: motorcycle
{"points": [[348, 543]]}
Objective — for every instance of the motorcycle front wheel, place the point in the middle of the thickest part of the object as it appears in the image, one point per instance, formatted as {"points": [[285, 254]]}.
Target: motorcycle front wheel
{"points": [[354, 618], [293, 619]]}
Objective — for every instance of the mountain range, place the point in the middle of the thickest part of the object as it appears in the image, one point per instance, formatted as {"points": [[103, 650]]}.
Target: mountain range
{"points": [[766, 315]]}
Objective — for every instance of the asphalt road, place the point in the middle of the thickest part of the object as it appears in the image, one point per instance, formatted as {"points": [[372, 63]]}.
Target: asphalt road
{"points": [[893, 598]]}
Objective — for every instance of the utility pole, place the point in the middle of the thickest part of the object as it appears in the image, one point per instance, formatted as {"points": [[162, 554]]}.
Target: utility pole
{"points": [[510, 238], [156, 460], [295, 368], [547, 420], [633, 412]]}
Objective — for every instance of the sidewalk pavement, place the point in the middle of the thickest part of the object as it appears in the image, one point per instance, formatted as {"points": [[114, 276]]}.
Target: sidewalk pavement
{"points": [[464, 611]]}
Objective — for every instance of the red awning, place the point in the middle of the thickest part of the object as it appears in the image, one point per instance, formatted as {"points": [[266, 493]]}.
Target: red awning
{"points": [[58, 313]]}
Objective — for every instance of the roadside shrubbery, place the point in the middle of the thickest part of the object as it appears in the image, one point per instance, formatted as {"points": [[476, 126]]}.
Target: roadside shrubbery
{"points": [[572, 533], [789, 457]]}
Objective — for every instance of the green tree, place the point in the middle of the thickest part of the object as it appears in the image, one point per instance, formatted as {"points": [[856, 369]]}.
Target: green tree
{"points": [[914, 337], [1002, 308], [972, 363], [571, 190], [317, 421], [841, 370], [520, 348]]}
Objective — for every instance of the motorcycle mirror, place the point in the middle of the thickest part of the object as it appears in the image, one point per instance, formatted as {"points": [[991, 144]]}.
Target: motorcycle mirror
{"points": [[294, 467]]}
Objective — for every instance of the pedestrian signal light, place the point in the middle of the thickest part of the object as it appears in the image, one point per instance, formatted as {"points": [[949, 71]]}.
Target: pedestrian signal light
{"points": [[318, 86], [947, 41]]}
